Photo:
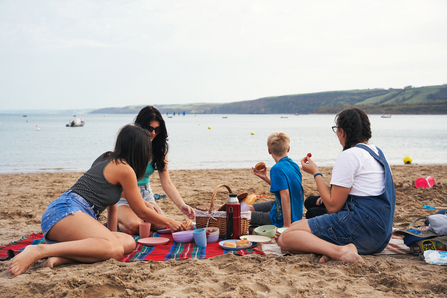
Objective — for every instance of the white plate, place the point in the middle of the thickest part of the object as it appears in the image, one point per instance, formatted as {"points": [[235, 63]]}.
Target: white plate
{"points": [[256, 238], [280, 230], [233, 248]]}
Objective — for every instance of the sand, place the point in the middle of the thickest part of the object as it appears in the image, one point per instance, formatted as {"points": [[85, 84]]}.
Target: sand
{"points": [[24, 197]]}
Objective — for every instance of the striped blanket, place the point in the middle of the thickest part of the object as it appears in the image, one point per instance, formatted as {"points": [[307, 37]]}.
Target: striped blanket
{"points": [[171, 251]]}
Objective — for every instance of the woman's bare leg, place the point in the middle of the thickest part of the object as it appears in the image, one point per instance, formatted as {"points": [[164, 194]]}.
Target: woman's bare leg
{"points": [[128, 221], [299, 239], [81, 238], [56, 261], [128, 244]]}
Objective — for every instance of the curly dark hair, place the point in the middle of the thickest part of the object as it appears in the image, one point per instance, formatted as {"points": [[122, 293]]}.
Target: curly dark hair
{"points": [[132, 146], [356, 125], [160, 143]]}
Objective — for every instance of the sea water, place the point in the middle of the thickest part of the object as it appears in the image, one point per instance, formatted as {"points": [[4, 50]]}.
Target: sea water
{"points": [[43, 143]]}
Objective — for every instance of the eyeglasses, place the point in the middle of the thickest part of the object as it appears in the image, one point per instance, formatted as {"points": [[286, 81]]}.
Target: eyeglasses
{"points": [[334, 128], [156, 129]]}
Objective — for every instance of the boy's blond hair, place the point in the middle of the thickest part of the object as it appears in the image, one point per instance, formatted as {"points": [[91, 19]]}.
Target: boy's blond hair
{"points": [[278, 143]]}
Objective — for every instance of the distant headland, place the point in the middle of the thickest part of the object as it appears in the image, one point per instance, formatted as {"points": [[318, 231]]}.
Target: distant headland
{"points": [[409, 100]]}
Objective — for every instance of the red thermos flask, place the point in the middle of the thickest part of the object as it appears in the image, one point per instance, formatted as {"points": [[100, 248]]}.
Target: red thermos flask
{"points": [[233, 217]]}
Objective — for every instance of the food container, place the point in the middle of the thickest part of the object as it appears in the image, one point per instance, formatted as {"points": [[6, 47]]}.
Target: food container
{"points": [[209, 216], [267, 230], [212, 234]]}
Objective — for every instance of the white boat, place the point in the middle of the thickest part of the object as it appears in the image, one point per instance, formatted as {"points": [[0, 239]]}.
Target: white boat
{"points": [[75, 123], [386, 116]]}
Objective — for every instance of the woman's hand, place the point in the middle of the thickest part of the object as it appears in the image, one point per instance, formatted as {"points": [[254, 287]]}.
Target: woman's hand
{"points": [[176, 226], [188, 211], [309, 166]]}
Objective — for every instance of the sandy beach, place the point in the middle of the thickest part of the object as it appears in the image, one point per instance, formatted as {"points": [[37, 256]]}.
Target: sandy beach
{"points": [[24, 197]]}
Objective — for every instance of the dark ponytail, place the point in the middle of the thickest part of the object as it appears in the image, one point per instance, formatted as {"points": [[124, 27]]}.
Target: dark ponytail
{"points": [[356, 125]]}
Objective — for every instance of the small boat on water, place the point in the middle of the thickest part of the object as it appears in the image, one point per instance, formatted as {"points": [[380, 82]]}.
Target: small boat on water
{"points": [[386, 116], [75, 123]]}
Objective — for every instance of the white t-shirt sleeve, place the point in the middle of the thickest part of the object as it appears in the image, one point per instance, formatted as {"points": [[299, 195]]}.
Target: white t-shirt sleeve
{"points": [[344, 170], [356, 169]]}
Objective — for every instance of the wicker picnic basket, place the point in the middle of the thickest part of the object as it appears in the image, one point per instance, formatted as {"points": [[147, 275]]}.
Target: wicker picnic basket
{"points": [[209, 216]]}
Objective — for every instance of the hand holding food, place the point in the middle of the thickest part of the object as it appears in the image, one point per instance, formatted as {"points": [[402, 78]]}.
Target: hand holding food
{"points": [[175, 226], [188, 225], [309, 166]]}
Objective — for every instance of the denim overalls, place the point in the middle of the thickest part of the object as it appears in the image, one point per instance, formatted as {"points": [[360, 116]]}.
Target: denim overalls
{"points": [[364, 221]]}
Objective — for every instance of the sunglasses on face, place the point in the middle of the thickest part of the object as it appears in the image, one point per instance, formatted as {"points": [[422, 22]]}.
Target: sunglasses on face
{"points": [[156, 129]]}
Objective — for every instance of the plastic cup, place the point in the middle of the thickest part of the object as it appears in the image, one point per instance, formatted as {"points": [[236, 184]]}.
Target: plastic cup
{"points": [[200, 237], [145, 229]]}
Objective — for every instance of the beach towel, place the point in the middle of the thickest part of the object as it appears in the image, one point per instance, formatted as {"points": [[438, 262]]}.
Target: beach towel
{"points": [[396, 246], [170, 251]]}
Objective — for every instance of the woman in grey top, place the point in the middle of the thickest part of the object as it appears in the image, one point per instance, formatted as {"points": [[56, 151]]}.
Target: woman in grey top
{"points": [[70, 222]]}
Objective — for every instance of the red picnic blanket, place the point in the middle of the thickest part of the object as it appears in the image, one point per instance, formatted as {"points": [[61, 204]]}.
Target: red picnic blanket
{"points": [[170, 251]]}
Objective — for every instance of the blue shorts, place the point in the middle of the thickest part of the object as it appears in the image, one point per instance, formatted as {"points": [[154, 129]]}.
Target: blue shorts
{"points": [[67, 204]]}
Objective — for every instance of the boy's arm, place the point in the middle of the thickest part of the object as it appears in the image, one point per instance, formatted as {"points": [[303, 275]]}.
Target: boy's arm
{"points": [[286, 209], [112, 217]]}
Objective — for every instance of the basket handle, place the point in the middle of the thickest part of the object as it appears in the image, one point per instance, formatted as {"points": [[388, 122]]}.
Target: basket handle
{"points": [[215, 193]]}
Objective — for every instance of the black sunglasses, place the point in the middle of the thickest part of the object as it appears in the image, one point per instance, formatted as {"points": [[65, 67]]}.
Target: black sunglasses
{"points": [[334, 129], [151, 129]]}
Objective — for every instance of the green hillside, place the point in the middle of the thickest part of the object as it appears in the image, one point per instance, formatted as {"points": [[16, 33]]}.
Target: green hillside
{"points": [[409, 100]]}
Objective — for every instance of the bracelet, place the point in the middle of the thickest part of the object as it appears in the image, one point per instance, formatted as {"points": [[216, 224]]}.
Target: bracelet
{"points": [[318, 174]]}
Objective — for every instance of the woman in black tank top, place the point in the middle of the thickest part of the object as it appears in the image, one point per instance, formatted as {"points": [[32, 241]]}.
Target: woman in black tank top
{"points": [[70, 221]]}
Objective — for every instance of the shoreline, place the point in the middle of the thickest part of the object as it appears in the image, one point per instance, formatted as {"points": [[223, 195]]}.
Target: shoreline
{"points": [[24, 197], [68, 171]]}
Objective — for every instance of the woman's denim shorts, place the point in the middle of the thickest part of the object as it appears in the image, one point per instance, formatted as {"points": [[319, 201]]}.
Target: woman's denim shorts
{"points": [[350, 226], [67, 204], [146, 193]]}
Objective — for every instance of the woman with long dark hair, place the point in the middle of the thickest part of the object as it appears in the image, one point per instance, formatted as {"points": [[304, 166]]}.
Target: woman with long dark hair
{"points": [[70, 222], [150, 119], [360, 203]]}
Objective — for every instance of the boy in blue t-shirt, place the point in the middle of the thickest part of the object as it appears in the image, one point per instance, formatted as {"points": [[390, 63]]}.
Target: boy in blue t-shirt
{"points": [[285, 183]]}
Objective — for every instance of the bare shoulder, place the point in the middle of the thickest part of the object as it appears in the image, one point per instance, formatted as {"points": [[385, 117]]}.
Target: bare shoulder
{"points": [[116, 172]]}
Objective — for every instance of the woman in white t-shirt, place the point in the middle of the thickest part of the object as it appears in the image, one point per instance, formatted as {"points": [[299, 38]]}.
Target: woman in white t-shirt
{"points": [[360, 203]]}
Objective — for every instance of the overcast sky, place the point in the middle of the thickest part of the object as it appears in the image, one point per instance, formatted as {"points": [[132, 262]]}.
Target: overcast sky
{"points": [[95, 54]]}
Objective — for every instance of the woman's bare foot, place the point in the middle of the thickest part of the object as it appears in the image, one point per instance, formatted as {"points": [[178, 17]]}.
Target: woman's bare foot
{"points": [[26, 258], [348, 253], [56, 261]]}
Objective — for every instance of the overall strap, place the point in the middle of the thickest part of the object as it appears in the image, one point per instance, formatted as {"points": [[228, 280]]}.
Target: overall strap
{"points": [[380, 158]]}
